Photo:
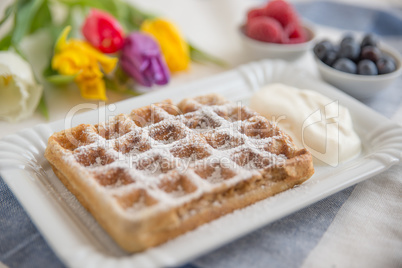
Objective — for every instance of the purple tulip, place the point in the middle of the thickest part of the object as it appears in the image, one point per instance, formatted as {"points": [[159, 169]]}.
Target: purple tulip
{"points": [[141, 58]]}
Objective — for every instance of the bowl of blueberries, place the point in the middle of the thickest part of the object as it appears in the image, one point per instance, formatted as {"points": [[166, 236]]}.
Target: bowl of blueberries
{"points": [[361, 68]]}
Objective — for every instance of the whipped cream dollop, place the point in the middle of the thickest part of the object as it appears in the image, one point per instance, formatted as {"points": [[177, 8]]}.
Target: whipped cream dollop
{"points": [[315, 122]]}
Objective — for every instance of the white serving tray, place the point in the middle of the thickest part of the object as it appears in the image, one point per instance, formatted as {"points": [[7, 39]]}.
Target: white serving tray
{"points": [[80, 242]]}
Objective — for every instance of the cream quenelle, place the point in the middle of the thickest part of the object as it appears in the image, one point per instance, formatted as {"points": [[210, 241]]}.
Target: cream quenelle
{"points": [[314, 121]]}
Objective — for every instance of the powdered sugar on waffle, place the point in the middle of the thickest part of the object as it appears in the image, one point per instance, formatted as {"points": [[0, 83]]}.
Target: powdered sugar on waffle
{"points": [[174, 158]]}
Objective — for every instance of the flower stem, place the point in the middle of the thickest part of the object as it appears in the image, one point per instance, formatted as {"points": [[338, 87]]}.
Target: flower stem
{"points": [[200, 56], [118, 84], [42, 107]]}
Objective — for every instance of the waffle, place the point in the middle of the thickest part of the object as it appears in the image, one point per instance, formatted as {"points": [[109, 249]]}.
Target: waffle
{"points": [[163, 170]]}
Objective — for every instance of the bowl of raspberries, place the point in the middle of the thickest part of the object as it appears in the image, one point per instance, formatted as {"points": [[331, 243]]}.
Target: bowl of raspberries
{"points": [[361, 67], [276, 31]]}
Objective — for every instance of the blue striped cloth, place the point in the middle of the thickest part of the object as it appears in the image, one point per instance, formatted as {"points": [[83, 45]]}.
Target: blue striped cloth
{"points": [[284, 243]]}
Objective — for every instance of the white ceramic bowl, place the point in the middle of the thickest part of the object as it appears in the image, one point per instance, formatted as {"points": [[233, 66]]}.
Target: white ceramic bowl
{"points": [[261, 50], [361, 86]]}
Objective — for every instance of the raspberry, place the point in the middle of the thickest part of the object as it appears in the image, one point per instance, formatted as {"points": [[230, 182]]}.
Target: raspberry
{"points": [[256, 12], [282, 11], [297, 36], [265, 29]]}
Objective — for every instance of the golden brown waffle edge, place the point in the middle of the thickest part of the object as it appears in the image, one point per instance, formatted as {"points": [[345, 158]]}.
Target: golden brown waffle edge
{"points": [[163, 170]]}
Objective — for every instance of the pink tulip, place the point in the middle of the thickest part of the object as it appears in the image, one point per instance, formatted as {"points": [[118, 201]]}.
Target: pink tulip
{"points": [[103, 31]]}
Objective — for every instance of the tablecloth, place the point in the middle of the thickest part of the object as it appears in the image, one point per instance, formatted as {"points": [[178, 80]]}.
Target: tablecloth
{"points": [[360, 226]]}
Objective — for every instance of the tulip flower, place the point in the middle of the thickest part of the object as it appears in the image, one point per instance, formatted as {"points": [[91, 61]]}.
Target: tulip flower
{"points": [[78, 58], [103, 31], [141, 59], [174, 48], [19, 91]]}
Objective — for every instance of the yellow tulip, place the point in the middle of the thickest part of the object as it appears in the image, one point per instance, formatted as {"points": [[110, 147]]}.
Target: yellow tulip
{"points": [[76, 57], [174, 48]]}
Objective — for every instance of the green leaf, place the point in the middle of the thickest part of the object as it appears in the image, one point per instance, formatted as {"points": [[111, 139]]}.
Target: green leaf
{"points": [[131, 17], [42, 18], [119, 83], [20, 53], [110, 6], [55, 78], [55, 31], [200, 56], [48, 71], [24, 15], [60, 79], [107, 5], [5, 43], [9, 10], [124, 91], [42, 107]]}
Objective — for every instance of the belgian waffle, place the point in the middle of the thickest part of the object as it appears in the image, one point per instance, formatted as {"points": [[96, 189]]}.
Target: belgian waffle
{"points": [[163, 170]]}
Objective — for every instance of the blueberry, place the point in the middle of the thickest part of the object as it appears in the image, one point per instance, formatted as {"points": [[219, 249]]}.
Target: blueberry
{"points": [[387, 57], [386, 65], [367, 67], [371, 53], [345, 65], [369, 39], [331, 57], [321, 49], [347, 39], [350, 50]]}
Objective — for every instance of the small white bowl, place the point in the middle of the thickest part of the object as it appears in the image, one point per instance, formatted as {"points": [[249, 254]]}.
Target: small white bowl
{"points": [[261, 50], [361, 86]]}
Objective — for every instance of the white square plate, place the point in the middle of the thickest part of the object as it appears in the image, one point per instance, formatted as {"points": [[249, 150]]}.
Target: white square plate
{"points": [[80, 242]]}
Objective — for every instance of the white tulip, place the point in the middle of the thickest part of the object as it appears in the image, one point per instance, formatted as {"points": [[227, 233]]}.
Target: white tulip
{"points": [[19, 92]]}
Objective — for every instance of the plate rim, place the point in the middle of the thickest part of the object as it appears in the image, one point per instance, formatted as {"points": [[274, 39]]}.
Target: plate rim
{"points": [[252, 75]]}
